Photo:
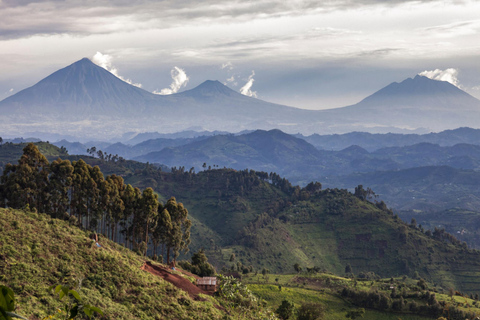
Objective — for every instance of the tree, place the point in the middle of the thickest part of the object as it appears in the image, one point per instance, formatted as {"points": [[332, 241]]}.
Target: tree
{"points": [[60, 183], [149, 211], [26, 182], [354, 314], [348, 269], [360, 193], [179, 236], [286, 310], [310, 311], [200, 265], [163, 228], [297, 267], [413, 223]]}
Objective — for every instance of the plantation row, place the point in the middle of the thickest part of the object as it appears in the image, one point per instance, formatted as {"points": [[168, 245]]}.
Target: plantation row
{"points": [[79, 192]]}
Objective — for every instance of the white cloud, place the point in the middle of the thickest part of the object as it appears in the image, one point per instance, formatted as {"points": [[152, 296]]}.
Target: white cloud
{"points": [[105, 61], [246, 89], [11, 90], [228, 65], [180, 79], [449, 75]]}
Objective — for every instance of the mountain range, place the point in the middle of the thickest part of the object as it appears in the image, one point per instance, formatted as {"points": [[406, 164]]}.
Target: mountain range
{"points": [[84, 99]]}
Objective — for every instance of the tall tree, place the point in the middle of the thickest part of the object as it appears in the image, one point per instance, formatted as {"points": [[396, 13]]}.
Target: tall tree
{"points": [[132, 199], [60, 182], [114, 204], [179, 237], [163, 228], [26, 182], [149, 211]]}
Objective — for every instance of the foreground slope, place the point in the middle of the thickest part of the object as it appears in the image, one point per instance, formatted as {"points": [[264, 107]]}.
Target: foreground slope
{"points": [[37, 251]]}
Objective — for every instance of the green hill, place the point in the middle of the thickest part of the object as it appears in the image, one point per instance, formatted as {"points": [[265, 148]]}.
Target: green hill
{"points": [[37, 252], [254, 220], [267, 223]]}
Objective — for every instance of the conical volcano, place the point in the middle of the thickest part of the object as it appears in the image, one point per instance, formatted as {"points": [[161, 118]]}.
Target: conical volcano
{"points": [[79, 90]]}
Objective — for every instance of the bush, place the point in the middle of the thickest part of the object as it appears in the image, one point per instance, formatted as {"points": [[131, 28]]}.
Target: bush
{"points": [[285, 310], [310, 311]]}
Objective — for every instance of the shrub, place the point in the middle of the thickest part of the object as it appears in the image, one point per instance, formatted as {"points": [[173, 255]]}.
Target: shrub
{"points": [[310, 311]]}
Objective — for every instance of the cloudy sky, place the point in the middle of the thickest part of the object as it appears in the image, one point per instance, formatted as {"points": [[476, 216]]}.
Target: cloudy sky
{"points": [[304, 53]]}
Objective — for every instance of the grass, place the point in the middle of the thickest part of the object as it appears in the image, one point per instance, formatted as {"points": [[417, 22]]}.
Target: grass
{"points": [[37, 252], [324, 289]]}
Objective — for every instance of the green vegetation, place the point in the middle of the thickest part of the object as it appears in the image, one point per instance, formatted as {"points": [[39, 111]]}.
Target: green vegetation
{"points": [[252, 223], [37, 252], [79, 192], [339, 297]]}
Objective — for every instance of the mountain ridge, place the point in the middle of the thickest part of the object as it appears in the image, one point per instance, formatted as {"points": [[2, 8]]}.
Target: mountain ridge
{"points": [[86, 98]]}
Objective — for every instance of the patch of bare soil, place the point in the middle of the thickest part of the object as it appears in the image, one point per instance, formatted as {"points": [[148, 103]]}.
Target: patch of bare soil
{"points": [[175, 279]]}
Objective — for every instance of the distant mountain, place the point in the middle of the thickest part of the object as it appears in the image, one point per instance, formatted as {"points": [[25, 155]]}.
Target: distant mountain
{"points": [[86, 100], [300, 162], [372, 142], [271, 151], [72, 147], [141, 137], [411, 104], [422, 189], [149, 146], [80, 91]]}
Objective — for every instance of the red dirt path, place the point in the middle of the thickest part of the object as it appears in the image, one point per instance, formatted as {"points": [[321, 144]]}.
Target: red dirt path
{"points": [[175, 279]]}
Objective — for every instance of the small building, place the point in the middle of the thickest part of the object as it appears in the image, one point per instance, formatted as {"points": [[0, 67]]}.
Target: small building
{"points": [[208, 284]]}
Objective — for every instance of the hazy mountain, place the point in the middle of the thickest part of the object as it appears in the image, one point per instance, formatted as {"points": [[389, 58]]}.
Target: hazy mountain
{"points": [[421, 188], [145, 147], [84, 99], [141, 137], [412, 104], [72, 147], [372, 142], [80, 91], [271, 151]]}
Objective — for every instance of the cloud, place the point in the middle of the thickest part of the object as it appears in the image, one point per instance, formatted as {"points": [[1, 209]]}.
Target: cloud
{"points": [[105, 61], [246, 89], [455, 29], [25, 18], [10, 91], [228, 65], [180, 79], [449, 75]]}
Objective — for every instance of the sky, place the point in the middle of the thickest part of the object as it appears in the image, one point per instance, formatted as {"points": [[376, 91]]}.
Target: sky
{"points": [[304, 53]]}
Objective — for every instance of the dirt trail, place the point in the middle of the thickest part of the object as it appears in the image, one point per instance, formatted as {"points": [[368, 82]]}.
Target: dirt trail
{"points": [[175, 279]]}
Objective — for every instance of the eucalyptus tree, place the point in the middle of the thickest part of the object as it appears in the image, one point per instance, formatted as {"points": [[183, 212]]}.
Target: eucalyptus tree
{"points": [[60, 182], [162, 230], [26, 182], [114, 204], [149, 211], [178, 238], [132, 199]]}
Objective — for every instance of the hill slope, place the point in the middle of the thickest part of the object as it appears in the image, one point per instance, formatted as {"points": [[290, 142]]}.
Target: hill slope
{"points": [[37, 251], [274, 226]]}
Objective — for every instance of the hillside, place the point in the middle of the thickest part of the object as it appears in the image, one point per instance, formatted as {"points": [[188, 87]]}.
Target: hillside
{"points": [[37, 251], [265, 222], [243, 214]]}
